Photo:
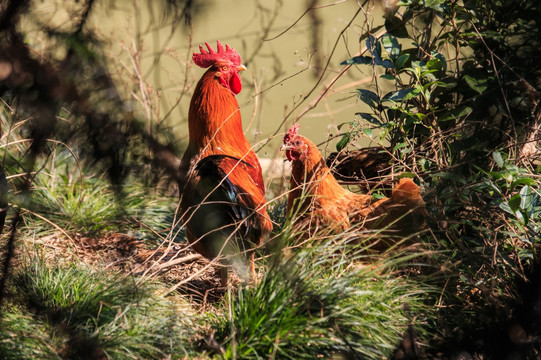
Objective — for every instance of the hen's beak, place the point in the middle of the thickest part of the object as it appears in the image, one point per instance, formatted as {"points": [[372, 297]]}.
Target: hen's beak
{"points": [[241, 68], [285, 147]]}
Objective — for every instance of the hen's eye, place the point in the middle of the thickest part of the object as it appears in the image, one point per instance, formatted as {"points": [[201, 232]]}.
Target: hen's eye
{"points": [[298, 143]]}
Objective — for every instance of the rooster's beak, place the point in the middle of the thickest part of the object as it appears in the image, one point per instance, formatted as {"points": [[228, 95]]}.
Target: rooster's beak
{"points": [[241, 68]]}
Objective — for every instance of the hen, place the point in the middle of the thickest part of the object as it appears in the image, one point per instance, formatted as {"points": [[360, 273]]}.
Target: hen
{"points": [[320, 202], [223, 195]]}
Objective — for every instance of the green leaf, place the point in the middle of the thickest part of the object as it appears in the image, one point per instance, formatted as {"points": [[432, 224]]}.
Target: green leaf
{"points": [[497, 156], [526, 198], [434, 83], [512, 206], [387, 77], [514, 202], [420, 117], [438, 5], [521, 218], [429, 75], [401, 95], [432, 3], [399, 146], [368, 97], [396, 26], [477, 84], [407, 174], [387, 64], [370, 118], [523, 181], [362, 60], [493, 186], [434, 64], [343, 142], [368, 132], [441, 58], [374, 46], [401, 61], [456, 113], [446, 85], [391, 46], [367, 60]]}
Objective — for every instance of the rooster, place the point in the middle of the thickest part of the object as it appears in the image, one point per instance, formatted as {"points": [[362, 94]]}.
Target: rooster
{"points": [[223, 194], [321, 202]]}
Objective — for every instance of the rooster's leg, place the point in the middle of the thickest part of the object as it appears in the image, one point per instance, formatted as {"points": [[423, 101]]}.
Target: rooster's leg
{"points": [[252, 264], [224, 275]]}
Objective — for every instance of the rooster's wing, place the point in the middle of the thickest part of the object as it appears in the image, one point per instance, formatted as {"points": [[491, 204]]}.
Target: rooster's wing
{"points": [[220, 213]]}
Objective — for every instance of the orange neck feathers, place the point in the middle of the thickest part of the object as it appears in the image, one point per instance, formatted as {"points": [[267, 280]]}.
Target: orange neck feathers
{"points": [[215, 127], [214, 118], [310, 169]]}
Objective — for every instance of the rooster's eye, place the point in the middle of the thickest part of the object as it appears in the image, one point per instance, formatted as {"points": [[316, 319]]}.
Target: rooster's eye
{"points": [[224, 68]]}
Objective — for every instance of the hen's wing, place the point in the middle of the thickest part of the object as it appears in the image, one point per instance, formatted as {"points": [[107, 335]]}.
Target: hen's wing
{"points": [[365, 167], [404, 213], [220, 213]]}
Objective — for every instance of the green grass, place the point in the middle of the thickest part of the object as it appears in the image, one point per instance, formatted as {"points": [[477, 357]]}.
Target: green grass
{"points": [[22, 337], [317, 303], [90, 205], [83, 310]]}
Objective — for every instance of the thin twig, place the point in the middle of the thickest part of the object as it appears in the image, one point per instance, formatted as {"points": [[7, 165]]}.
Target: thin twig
{"points": [[300, 17], [328, 86], [184, 259]]}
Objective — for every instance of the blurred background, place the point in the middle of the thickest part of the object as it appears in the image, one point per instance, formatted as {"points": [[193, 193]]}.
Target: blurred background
{"points": [[292, 49]]}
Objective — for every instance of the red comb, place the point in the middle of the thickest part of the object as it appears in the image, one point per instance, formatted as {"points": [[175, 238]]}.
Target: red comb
{"points": [[207, 58], [294, 130]]}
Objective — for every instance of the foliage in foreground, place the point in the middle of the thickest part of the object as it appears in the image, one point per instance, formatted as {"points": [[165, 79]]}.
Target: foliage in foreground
{"points": [[314, 302], [74, 312], [317, 302]]}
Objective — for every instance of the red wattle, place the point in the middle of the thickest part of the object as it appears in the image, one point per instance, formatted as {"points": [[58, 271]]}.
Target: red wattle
{"points": [[235, 85], [292, 155]]}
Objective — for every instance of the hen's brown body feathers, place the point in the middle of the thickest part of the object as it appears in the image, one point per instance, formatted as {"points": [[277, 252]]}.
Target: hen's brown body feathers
{"points": [[321, 202], [367, 168]]}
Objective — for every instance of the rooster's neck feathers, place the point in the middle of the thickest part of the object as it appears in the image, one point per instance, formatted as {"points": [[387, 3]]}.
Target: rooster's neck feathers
{"points": [[214, 119], [215, 128]]}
